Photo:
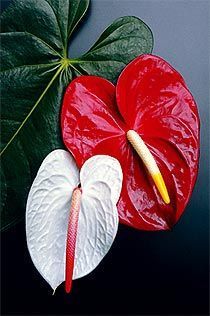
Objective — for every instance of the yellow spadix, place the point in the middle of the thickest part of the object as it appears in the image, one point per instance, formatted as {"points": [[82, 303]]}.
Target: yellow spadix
{"points": [[149, 162]]}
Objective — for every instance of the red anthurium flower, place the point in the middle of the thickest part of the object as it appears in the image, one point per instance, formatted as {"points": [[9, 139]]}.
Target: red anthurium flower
{"points": [[153, 103]]}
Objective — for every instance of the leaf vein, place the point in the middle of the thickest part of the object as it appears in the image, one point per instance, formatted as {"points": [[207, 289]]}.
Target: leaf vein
{"points": [[71, 31], [109, 43], [59, 27], [100, 42], [32, 110], [98, 61], [46, 44], [29, 66]]}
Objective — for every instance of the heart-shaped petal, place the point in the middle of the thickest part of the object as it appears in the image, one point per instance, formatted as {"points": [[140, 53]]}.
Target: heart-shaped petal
{"points": [[153, 100], [101, 183], [47, 214], [99, 169]]}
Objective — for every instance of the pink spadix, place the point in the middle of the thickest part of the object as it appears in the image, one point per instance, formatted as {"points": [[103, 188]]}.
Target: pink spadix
{"points": [[72, 236]]}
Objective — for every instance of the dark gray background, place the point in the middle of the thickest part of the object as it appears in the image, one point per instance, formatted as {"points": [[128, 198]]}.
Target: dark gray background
{"points": [[144, 273]]}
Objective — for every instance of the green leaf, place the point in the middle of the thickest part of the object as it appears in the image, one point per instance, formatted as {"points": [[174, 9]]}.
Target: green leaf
{"points": [[35, 71], [125, 39]]}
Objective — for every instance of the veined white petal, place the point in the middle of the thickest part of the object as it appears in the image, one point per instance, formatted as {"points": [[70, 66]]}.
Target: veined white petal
{"points": [[105, 169], [101, 182], [47, 213]]}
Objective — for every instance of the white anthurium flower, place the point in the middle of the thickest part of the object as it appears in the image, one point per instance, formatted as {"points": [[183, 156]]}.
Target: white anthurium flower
{"points": [[70, 229]]}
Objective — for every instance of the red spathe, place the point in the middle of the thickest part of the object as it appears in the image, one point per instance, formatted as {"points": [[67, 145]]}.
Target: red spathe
{"points": [[151, 98]]}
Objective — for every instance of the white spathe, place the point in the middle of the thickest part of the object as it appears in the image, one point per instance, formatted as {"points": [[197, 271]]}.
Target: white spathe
{"points": [[47, 213]]}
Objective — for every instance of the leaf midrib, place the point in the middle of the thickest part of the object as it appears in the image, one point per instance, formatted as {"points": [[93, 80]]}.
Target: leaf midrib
{"points": [[43, 42], [33, 108], [30, 66], [111, 42], [98, 42], [59, 27]]}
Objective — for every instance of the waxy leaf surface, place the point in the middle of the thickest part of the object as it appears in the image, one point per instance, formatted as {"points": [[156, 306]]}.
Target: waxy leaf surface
{"points": [[151, 98], [35, 69], [48, 207]]}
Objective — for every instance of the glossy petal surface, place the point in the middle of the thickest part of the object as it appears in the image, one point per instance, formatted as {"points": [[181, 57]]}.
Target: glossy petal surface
{"points": [[35, 70], [151, 98], [47, 214]]}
